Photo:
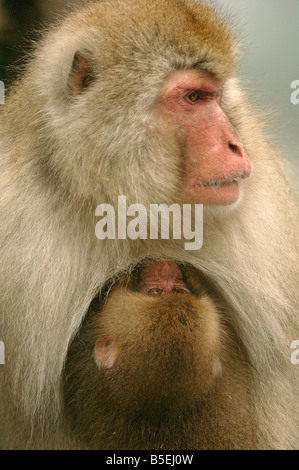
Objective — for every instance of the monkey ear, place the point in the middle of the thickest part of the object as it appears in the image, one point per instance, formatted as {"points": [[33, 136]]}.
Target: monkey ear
{"points": [[81, 73]]}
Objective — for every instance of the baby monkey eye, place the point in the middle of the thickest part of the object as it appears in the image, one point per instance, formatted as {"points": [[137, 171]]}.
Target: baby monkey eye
{"points": [[155, 291]]}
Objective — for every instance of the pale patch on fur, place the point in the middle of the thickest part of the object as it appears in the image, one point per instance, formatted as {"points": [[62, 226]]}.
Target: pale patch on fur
{"points": [[217, 368]]}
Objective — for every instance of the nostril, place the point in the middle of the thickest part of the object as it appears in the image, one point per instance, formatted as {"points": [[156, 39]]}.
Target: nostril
{"points": [[233, 147]]}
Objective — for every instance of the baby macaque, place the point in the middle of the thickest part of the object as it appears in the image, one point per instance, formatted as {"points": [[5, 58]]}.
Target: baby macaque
{"points": [[158, 366]]}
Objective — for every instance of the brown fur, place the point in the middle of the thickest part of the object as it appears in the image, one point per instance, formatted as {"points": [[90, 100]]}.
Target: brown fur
{"points": [[162, 392]]}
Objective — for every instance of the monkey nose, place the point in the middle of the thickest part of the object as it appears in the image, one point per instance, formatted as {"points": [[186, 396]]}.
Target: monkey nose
{"points": [[237, 149]]}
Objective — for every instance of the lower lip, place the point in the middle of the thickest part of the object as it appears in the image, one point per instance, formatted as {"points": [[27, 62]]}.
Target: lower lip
{"points": [[224, 194]]}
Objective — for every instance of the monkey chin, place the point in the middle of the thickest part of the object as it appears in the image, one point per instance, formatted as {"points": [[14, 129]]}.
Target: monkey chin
{"points": [[222, 210]]}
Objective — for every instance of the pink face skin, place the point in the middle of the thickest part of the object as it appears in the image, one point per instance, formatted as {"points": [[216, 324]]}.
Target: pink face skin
{"points": [[163, 278], [214, 157]]}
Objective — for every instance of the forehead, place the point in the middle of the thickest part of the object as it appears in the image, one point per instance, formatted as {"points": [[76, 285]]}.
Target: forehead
{"points": [[184, 33], [192, 79]]}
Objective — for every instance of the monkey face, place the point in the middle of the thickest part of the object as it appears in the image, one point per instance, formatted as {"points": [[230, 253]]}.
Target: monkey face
{"points": [[215, 161]]}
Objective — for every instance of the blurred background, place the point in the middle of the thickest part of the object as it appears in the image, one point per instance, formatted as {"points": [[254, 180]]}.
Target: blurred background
{"points": [[269, 35]]}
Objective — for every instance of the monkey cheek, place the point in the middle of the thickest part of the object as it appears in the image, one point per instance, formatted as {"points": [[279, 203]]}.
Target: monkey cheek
{"points": [[105, 353]]}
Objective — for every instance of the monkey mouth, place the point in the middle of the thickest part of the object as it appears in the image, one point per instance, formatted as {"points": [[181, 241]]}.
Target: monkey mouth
{"points": [[218, 183]]}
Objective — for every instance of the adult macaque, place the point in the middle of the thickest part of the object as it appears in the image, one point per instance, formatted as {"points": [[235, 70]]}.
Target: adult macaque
{"points": [[159, 368], [136, 98]]}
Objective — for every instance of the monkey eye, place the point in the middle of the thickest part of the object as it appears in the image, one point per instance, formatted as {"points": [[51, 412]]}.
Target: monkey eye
{"points": [[201, 95], [196, 95], [181, 291], [155, 291]]}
